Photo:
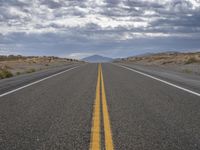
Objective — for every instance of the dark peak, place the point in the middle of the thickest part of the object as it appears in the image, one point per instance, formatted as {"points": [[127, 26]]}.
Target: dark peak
{"points": [[97, 58]]}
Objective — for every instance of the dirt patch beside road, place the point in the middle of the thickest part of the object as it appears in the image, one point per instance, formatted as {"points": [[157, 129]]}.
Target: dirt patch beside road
{"points": [[16, 65], [181, 62]]}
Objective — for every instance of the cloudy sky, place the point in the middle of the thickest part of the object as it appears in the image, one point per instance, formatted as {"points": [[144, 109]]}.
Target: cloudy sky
{"points": [[114, 28]]}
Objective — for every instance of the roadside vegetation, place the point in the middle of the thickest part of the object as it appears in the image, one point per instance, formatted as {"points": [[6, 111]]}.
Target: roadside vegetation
{"points": [[192, 60], [30, 70], [4, 73], [187, 71], [15, 65], [165, 58], [18, 73], [11, 57], [182, 62]]}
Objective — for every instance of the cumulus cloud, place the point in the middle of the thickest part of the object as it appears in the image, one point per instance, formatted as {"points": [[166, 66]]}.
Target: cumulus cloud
{"points": [[98, 26]]}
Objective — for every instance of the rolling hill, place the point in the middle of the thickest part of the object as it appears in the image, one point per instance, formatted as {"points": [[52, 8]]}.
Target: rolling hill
{"points": [[97, 58]]}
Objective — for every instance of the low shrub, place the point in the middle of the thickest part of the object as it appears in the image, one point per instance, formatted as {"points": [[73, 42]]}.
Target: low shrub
{"points": [[30, 70], [187, 71], [167, 62], [18, 73], [191, 60], [4, 73]]}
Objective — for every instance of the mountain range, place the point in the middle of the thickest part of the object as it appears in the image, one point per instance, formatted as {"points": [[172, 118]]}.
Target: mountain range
{"points": [[97, 59]]}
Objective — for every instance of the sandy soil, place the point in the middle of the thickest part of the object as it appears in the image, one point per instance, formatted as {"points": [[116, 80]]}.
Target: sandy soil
{"points": [[181, 62], [31, 64]]}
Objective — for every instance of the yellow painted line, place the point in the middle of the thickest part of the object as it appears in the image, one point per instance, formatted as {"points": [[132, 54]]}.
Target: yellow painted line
{"points": [[95, 133], [95, 142], [107, 127]]}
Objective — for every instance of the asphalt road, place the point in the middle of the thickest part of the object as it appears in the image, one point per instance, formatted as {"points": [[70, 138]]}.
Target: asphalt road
{"points": [[108, 108], [188, 80], [18, 81]]}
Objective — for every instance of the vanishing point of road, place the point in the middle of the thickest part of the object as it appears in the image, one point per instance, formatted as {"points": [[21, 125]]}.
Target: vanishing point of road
{"points": [[98, 106]]}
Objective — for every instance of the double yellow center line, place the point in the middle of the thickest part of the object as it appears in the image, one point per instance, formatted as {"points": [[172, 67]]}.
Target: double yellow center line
{"points": [[95, 143]]}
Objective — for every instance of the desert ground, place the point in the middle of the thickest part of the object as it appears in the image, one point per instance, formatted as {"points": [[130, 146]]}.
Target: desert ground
{"points": [[16, 65], [181, 62]]}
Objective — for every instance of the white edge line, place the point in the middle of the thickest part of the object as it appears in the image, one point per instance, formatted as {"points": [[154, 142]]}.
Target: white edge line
{"points": [[163, 81], [22, 87]]}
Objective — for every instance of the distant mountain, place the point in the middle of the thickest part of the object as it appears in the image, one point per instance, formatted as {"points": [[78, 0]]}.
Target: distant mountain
{"points": [[97, 58]]}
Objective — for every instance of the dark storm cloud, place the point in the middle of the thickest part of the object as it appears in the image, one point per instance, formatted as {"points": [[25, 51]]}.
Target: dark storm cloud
{"points": [[143, 4], [102, 26], [17, 3], [52, 4], [179, 21]]}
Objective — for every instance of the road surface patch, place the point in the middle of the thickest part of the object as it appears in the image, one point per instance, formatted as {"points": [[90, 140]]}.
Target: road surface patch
{"points": [[38, 81], [160, 80]]}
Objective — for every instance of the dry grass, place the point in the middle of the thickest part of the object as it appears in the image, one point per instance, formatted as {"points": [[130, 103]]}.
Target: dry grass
{"points": [[192, 60], [166, 58], [30, 70], [182, 62], [16, 65]]}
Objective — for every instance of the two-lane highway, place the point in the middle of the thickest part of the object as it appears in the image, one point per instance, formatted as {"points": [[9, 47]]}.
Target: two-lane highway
{"points": [[100, 107]]}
